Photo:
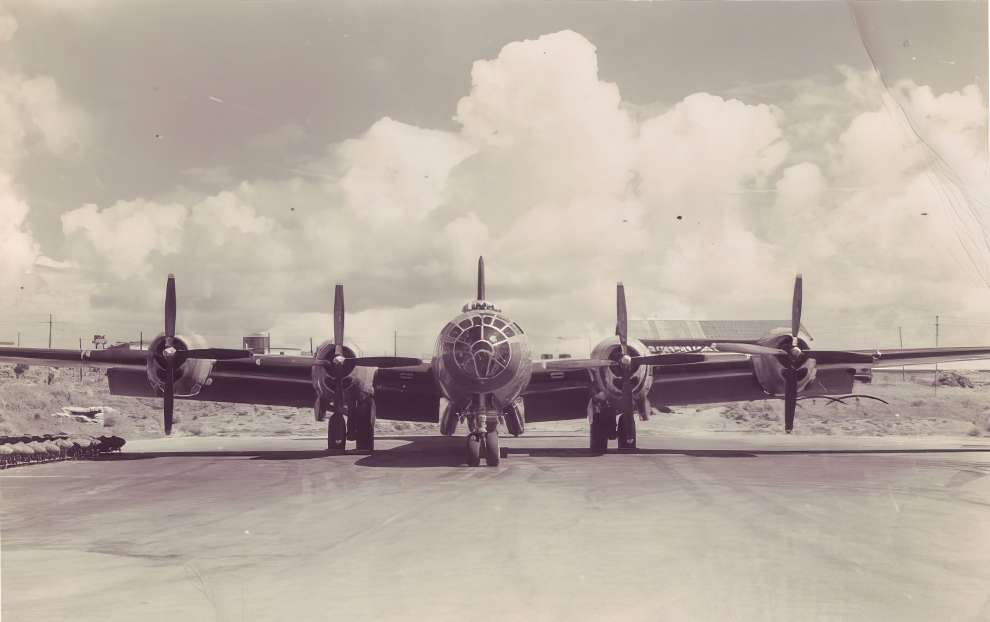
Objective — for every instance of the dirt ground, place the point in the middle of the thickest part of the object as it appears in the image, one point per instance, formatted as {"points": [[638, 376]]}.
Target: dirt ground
{"points": [[915, 409]]}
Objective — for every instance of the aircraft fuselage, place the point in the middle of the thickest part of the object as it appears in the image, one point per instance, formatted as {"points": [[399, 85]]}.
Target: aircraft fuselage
{"points": [[482, 360]]}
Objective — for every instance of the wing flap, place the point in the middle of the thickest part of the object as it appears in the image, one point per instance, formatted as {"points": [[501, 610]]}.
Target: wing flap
{"points": [[236, 388]]}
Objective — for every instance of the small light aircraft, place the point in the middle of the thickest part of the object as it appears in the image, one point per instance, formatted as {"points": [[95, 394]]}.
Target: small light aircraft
{"points": [[482, 375]]}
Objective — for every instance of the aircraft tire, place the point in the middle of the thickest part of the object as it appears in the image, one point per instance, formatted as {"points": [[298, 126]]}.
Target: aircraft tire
{"points": [[599, 435], [623, 437], [608, 415], [336, 433], [492, 454], [473, 449], [364, 429]]}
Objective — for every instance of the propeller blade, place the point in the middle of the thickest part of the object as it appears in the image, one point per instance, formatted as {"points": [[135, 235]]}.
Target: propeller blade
{"points": [[621, 317], [674, 358], [338, 319], [832, 357], [338, 397], [170, 307], [384, 361], [790, 400], [628, 420], [169, 399], [796, 308], [216, 354], [748, 348]]}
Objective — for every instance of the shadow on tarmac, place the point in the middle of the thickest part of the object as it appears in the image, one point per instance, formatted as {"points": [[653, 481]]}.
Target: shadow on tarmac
{"points": [[443, 451]]}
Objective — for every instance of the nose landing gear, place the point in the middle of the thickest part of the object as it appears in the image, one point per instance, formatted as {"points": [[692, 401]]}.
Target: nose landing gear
{"points": [[484, 444]]}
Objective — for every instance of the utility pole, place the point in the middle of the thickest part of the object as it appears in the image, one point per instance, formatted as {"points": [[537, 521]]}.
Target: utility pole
{"points": [[18, 339], [900, 337], [311, 351], [936, 364], [268, 343], [395, 342], [50, 319], [141, 340], [80, 365]]}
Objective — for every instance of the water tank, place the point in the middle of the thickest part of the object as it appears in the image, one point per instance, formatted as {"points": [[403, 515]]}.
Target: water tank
{"points": [[256, 343]]}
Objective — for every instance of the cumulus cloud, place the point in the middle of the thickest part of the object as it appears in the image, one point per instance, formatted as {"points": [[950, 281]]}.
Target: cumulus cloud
{"points": [[397, 172], [128, 232], [19, 247], [701, 208], [34, 118]]}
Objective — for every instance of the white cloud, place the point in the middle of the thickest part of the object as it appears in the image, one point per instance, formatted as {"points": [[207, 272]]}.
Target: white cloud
{"points": [[565, 192], [18, 246], [33, 118], [125, 234], [397, 172]]}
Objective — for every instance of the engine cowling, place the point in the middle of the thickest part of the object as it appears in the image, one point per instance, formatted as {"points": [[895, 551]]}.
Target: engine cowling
{"points": [[357, 382], [190, 376], [770, 370], [609, 381], [515, 417]]}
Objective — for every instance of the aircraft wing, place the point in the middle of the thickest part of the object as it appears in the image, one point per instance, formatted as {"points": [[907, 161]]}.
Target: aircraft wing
{"points": [[907, 356], [110, 357], [407, 394]]}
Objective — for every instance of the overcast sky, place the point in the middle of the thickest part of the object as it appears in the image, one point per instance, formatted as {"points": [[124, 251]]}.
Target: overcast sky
{"points": [[701, 152]]}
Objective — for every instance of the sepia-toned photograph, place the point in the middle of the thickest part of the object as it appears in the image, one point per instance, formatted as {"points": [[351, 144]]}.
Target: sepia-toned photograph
{"points": [[521, 310]]}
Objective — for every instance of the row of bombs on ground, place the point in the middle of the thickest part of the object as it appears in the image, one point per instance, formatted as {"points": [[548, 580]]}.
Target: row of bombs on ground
{"points": [[18, 450]]}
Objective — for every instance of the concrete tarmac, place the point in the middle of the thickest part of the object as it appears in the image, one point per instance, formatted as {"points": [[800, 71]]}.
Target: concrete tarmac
{"points": [[707, 527]]}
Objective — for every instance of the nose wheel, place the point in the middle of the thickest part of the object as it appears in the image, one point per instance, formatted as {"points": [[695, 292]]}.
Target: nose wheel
{"points": [[483, 444]]}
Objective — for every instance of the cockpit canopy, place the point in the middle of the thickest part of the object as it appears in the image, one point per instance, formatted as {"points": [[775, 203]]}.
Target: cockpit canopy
{"points": [[479, 344]]}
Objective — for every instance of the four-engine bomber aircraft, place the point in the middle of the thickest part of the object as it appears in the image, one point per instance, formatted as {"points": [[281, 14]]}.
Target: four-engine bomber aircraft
{"points": [[482, 375]]}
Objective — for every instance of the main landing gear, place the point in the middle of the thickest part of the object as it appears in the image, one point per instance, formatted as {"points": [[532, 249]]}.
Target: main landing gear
{"points": [[358, 426], [607, 423], [603, 429]]}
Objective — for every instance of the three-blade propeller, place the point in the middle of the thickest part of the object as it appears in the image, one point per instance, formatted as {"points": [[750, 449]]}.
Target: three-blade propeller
{"points": [[794, 357], [172, 358], [340, 365]]}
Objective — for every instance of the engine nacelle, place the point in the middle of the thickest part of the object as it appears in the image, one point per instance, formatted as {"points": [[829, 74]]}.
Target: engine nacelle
{"points": [[515, 417], [448, 417], [770, 370], [608, 380], [190, 376], [357, 383]]}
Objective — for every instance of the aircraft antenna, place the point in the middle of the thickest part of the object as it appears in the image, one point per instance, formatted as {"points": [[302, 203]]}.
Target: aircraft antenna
{"points": [[481, 278]]}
